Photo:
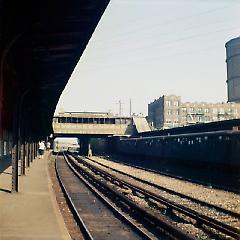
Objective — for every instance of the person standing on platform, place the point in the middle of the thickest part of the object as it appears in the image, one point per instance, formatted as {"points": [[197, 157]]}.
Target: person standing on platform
{"points": [[41, 149], [48, 146]]}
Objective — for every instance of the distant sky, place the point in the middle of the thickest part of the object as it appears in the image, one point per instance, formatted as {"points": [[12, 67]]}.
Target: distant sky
{"points": [[143, 49]]}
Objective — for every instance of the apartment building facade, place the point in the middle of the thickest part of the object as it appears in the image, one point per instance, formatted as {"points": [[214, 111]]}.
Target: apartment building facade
{"points": [[169, 111]]}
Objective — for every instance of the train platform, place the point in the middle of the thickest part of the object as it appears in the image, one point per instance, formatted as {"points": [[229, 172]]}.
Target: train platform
{"points": [[32, 213]]}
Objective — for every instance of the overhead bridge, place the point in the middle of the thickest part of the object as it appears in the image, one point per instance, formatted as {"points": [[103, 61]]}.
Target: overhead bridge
{"points": [[91, 124], [97, 124], [85, 125]]}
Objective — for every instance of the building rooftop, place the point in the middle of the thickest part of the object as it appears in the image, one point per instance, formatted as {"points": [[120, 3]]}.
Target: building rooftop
{"points": [[234, 40]]}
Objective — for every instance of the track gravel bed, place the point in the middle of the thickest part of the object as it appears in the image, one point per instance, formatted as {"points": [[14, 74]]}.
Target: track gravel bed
{"points": [[155, 223], [100, 221], [210, 212], [204, 210], [68, 217], [186, 224], [224, 199]]}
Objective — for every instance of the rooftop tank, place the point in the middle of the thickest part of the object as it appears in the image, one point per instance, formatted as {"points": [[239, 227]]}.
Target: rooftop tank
{"points": [[233, 69]]}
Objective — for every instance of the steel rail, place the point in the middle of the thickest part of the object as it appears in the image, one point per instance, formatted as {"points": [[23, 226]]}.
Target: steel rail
{"points": [[200, 218], [170, 191], [156, 222], [78, 218], [110, 205]]}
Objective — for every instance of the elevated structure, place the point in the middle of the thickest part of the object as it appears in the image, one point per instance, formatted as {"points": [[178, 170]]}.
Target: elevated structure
{"points": [[86, 125], [91, 124], [233, 69]]}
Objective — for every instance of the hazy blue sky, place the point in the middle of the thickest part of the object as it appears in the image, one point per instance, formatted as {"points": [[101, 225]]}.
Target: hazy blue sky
{"points": [[143, 49]]}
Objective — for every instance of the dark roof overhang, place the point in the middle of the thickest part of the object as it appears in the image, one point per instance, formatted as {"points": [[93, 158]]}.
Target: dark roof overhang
{"points": [[40, 44]]}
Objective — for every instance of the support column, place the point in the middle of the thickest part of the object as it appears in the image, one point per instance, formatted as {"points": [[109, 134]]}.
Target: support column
{"points": [[34, 150], [15, 152], [15, 167], [36, 153], [84, 145], [31, 152], [23, 158], [28, 154]]}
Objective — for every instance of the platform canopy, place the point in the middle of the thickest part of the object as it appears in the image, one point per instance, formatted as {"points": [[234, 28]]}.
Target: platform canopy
{"points": [[40, 44]]}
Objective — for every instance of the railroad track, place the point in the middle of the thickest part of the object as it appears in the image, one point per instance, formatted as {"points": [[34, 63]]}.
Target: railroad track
{"points": [[98, 217], [200, 219], [216, 186], [170, 191]]}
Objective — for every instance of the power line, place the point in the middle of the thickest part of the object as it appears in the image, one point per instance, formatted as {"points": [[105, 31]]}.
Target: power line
{"points": [[159, 45], [126, 35]]}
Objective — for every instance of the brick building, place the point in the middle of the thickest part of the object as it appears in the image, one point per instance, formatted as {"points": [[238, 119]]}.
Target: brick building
{"points": [[170, 111]]}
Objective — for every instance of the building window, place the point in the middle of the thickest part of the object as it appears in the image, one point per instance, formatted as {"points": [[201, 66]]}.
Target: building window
{"points": [[206, 110], [168, 103], [184, 119], [221, 110], [169, 112], [199, 119], [176, 103]]}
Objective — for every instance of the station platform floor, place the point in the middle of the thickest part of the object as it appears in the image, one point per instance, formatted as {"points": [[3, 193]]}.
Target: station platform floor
{"points": [[32, 213]]}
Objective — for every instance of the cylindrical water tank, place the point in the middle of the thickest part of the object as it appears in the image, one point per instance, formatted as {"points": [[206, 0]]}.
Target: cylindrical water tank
{"points": [[233, 69]]}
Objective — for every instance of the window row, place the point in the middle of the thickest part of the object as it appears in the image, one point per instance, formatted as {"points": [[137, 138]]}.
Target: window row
{"points": [[172, 103], [92, 120], [208, 110]]}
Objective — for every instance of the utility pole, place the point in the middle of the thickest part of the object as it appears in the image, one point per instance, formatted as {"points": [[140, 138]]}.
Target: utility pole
{"points": [[120, 111], [120, 108], [130, 110]]}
